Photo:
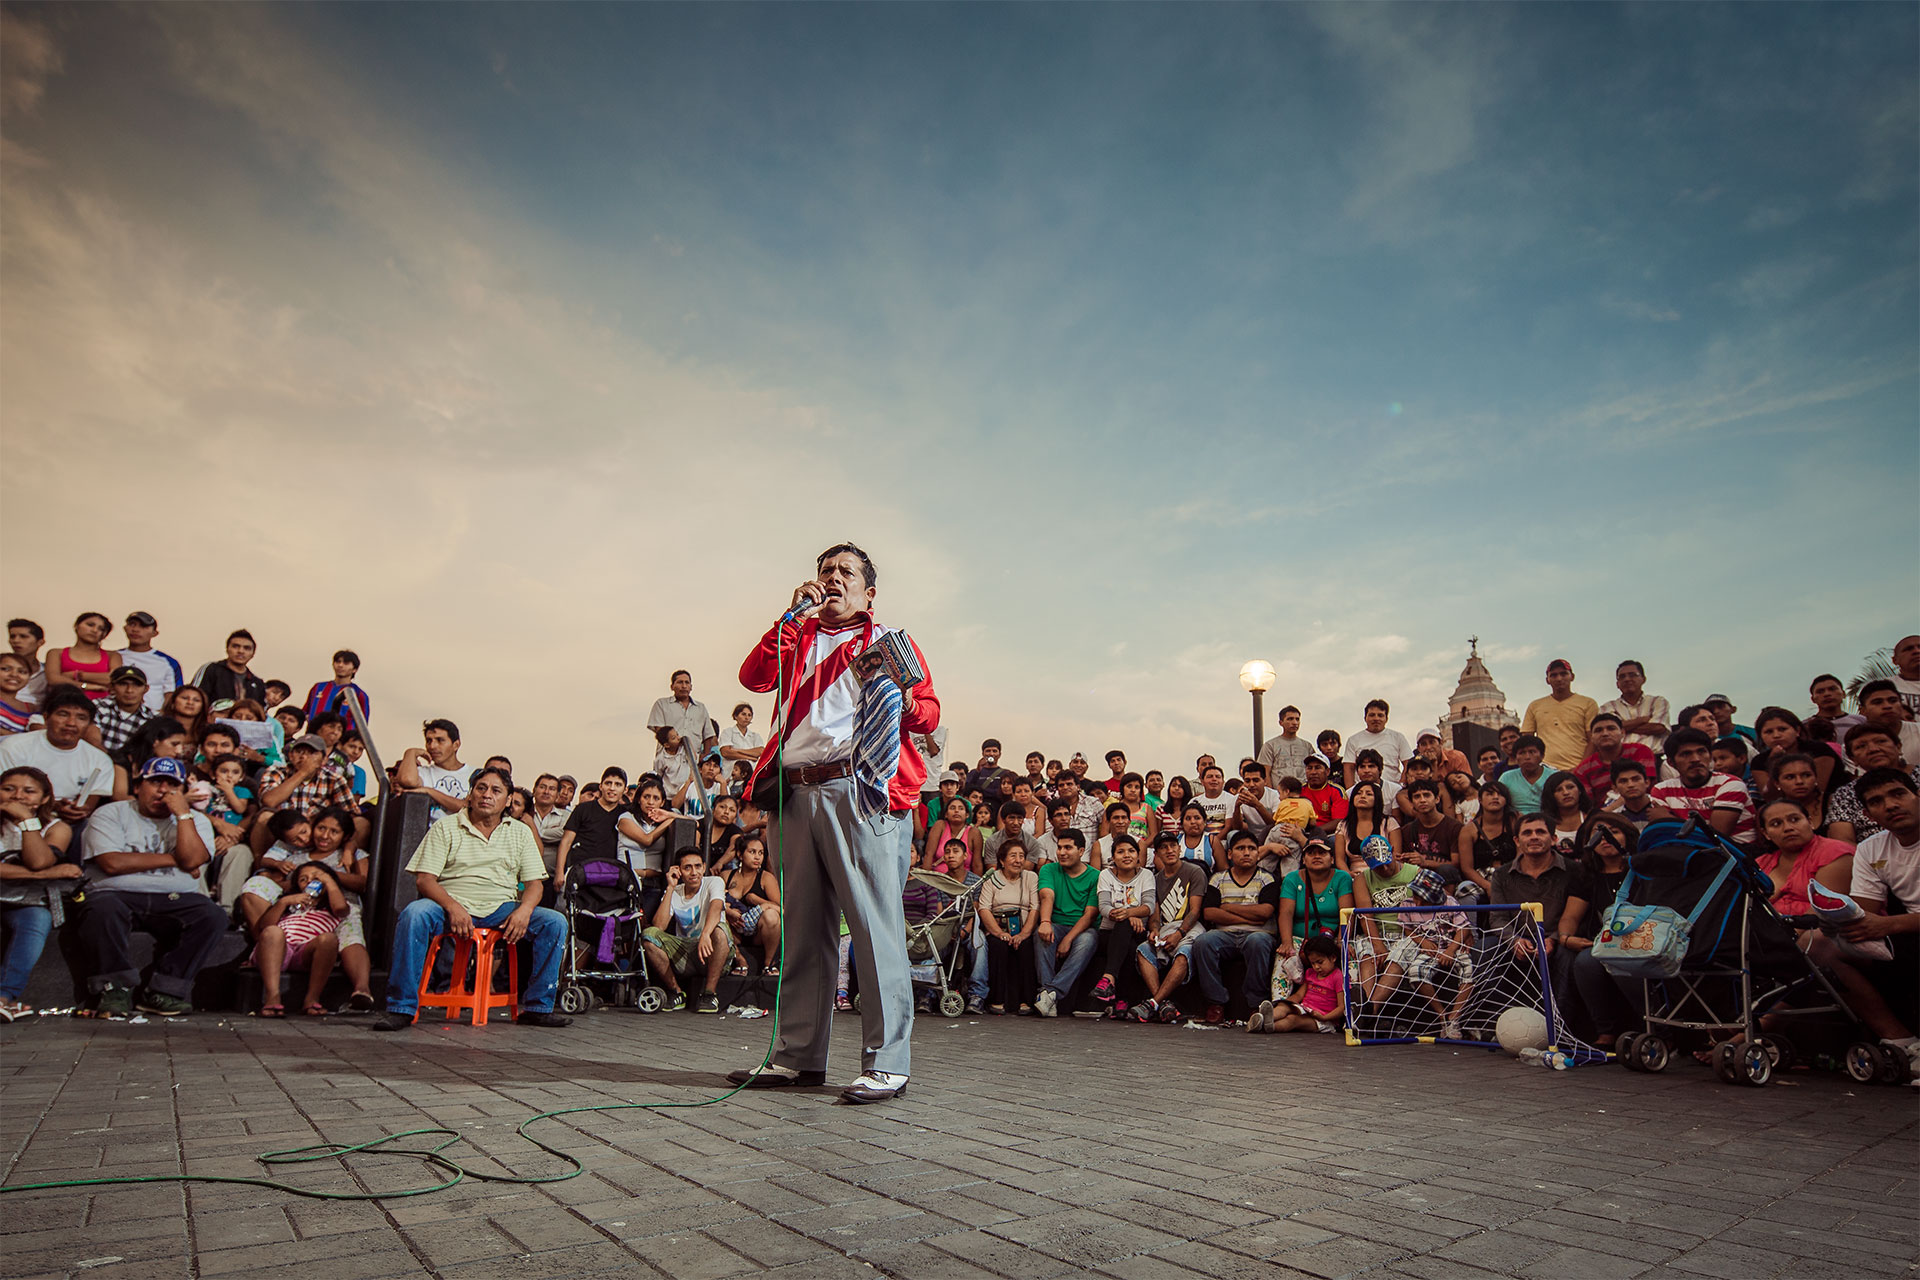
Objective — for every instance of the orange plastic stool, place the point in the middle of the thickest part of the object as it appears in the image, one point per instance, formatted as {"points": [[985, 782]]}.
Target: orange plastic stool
{"points": [[482, 999]]}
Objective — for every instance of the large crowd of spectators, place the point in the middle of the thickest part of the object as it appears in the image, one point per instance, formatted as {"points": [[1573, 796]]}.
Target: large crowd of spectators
{"points": [[191, 805]]}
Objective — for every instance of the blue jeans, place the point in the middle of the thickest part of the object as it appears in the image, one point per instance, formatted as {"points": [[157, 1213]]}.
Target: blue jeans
{"points": [[1057, 975], [977, 975], [422, 920], [1215, 945], [29, 927]]}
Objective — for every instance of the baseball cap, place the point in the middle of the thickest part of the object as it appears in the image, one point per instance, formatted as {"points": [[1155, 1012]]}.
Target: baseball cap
{"points": [[1424, 734], [1559, 662], [1078, 755], [1712, 698], [165, 767], [1377, 850], [129, 675], [142, 617], [311, 741], [1165, 837], [1321, 756]]}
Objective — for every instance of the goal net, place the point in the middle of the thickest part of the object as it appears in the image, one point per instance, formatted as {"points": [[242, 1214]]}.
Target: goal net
{"points": [[1445, 975]]}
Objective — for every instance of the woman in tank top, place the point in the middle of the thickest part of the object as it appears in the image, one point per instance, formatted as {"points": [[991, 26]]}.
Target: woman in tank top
{"points": [[84, 664], [1486, 843], [954, 823]]}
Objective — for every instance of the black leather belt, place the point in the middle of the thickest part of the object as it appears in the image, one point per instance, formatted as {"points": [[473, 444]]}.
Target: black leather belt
{"points": [[813, 775]]}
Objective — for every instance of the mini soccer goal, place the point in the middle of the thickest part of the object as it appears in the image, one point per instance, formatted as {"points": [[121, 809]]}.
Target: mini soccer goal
{"points": [[1466, 975]]}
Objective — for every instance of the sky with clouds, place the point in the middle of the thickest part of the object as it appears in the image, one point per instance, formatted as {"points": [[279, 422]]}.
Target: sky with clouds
{"points": [[533, 350]]}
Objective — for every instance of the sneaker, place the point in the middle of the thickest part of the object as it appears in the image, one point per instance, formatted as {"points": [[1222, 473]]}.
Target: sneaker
{"points": [[923, 1003], [1216, 1014], [678, 1000], [1167, 1014], [1122, 1010], [392, 1022], [1103, 990], [976, 1005], [1047, 1003], [1453, 1031], [163, 1006], [542, 1018], [1090, 1013], [1261, 1019], [115, 1002], [706, 1002]]}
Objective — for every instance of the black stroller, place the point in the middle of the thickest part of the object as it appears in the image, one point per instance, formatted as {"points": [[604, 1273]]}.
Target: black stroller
{"points": [[605, 963], [1741, 962]]}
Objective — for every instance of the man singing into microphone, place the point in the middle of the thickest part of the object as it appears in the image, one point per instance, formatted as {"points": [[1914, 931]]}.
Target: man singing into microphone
{"points": [[851, 778]]}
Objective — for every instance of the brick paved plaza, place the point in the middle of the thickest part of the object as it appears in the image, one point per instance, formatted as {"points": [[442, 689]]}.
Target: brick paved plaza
{"points": [[1020, 1151]]}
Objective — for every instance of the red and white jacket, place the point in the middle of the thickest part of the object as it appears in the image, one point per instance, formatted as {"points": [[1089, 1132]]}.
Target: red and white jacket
{"points": [[822, 696]]}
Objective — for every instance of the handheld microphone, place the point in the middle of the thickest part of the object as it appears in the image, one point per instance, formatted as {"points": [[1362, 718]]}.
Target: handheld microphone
{"points": [[801, 610]]}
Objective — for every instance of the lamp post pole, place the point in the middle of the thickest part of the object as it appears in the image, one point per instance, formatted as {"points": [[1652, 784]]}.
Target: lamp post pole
{"points": [[1256, 678]]}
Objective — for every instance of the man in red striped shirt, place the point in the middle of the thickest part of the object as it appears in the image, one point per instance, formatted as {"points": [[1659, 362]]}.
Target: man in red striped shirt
{"points": [[1719, 799], [835, 860]]}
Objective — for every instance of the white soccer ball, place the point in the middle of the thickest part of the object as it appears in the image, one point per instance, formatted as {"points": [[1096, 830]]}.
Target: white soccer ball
{"points": [[1521, 1028]]}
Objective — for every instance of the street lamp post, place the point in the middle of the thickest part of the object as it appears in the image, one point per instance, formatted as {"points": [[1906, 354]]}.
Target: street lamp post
{"points": [[1256, 678]]}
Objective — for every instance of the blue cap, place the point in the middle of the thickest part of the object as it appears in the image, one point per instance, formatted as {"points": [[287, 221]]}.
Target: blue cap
{"points": [[1377, 851], [165, 767]]}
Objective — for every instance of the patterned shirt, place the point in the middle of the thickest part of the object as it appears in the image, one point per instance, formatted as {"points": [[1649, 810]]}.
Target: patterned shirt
{"points": [[1650, 707], [117, 725], [1844, 806], [324, 789], [1721, 791]]}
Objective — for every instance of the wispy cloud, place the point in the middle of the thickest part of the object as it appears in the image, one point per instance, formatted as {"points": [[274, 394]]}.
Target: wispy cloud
{"points": [[29, 55]]}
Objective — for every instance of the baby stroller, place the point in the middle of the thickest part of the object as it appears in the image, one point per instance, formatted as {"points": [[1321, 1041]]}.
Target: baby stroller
{"points": [[601, 900], [933, 945], [1740, 959]]}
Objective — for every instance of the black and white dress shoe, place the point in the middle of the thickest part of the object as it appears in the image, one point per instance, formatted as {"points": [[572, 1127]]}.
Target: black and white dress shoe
{"points": [[875, 1086], [774, 1076]]}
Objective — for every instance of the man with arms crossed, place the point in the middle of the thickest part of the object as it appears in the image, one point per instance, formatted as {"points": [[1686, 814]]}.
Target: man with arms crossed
{"points": [[843, 830]]}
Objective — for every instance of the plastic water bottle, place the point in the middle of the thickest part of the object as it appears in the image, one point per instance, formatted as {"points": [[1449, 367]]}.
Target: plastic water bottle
{"points": [[315, 889], [1552, 1059]]}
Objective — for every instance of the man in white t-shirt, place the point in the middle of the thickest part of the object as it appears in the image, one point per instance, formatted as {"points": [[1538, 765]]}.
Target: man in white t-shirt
{"points": [[435, 769], [1886, 884], [1214, 799], [1906, 674], [689, 938], [1390, 743], [162, 669], [1880, 704], [933, 751], [679, 711], [81, 773]]}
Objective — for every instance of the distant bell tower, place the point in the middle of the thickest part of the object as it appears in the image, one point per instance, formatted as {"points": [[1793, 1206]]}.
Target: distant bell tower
{"points": [[1477, 711]]}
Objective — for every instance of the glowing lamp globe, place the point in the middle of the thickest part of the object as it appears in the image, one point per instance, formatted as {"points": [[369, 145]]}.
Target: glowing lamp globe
{"points": [[1257, 676]]}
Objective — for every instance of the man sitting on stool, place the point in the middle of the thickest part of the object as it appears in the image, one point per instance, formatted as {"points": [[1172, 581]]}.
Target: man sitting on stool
{"points": [[476, 869]]}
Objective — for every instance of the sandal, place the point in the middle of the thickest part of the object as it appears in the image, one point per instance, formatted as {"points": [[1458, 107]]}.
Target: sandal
{"points": [[11, 1009], [359, 1002], [272, 1011], [739, 970], [771, 971], [315, 1009]]}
